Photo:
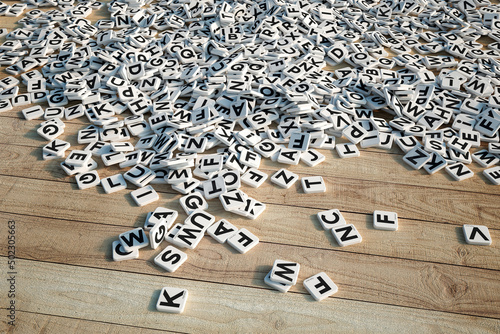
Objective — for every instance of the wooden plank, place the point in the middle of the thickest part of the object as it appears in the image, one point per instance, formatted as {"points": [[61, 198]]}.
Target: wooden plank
{"points": [[416, 239], [361, 277], [109, 296], [373, 165], [379, 166], [412, 202], [17, 130], [421, 241], [28, 322]]}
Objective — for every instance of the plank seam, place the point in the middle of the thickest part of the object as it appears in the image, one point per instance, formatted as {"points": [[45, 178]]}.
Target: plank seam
{"points": [[270, 289]]}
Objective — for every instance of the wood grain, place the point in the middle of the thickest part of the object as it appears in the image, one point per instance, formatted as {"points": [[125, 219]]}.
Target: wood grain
{"points": [[28, 322], [412, 202], [415, 240], [424, 240], [100, 296], [422, 278], [362, 277], [374, 164]]}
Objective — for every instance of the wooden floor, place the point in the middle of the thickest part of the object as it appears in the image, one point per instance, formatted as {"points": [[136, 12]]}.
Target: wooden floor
{"points": [[422, 278]]}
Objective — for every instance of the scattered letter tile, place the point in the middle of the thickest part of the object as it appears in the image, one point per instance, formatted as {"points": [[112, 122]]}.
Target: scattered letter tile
{"points": [[172, 300], [320, 286]]}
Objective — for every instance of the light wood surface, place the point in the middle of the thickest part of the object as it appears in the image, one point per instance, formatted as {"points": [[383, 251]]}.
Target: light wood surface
{"points": [[421, 279]]}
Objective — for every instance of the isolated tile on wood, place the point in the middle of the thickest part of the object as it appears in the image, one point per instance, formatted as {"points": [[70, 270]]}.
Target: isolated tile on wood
{"points": [[320, 286], [477, 235], [172, 300], [113, 183], [144, 196], [284, 178], [385, 220], [313, 184]]}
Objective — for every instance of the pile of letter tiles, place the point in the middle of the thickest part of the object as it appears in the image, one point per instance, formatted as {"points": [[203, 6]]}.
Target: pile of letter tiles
{"points": [[194, 93]]}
